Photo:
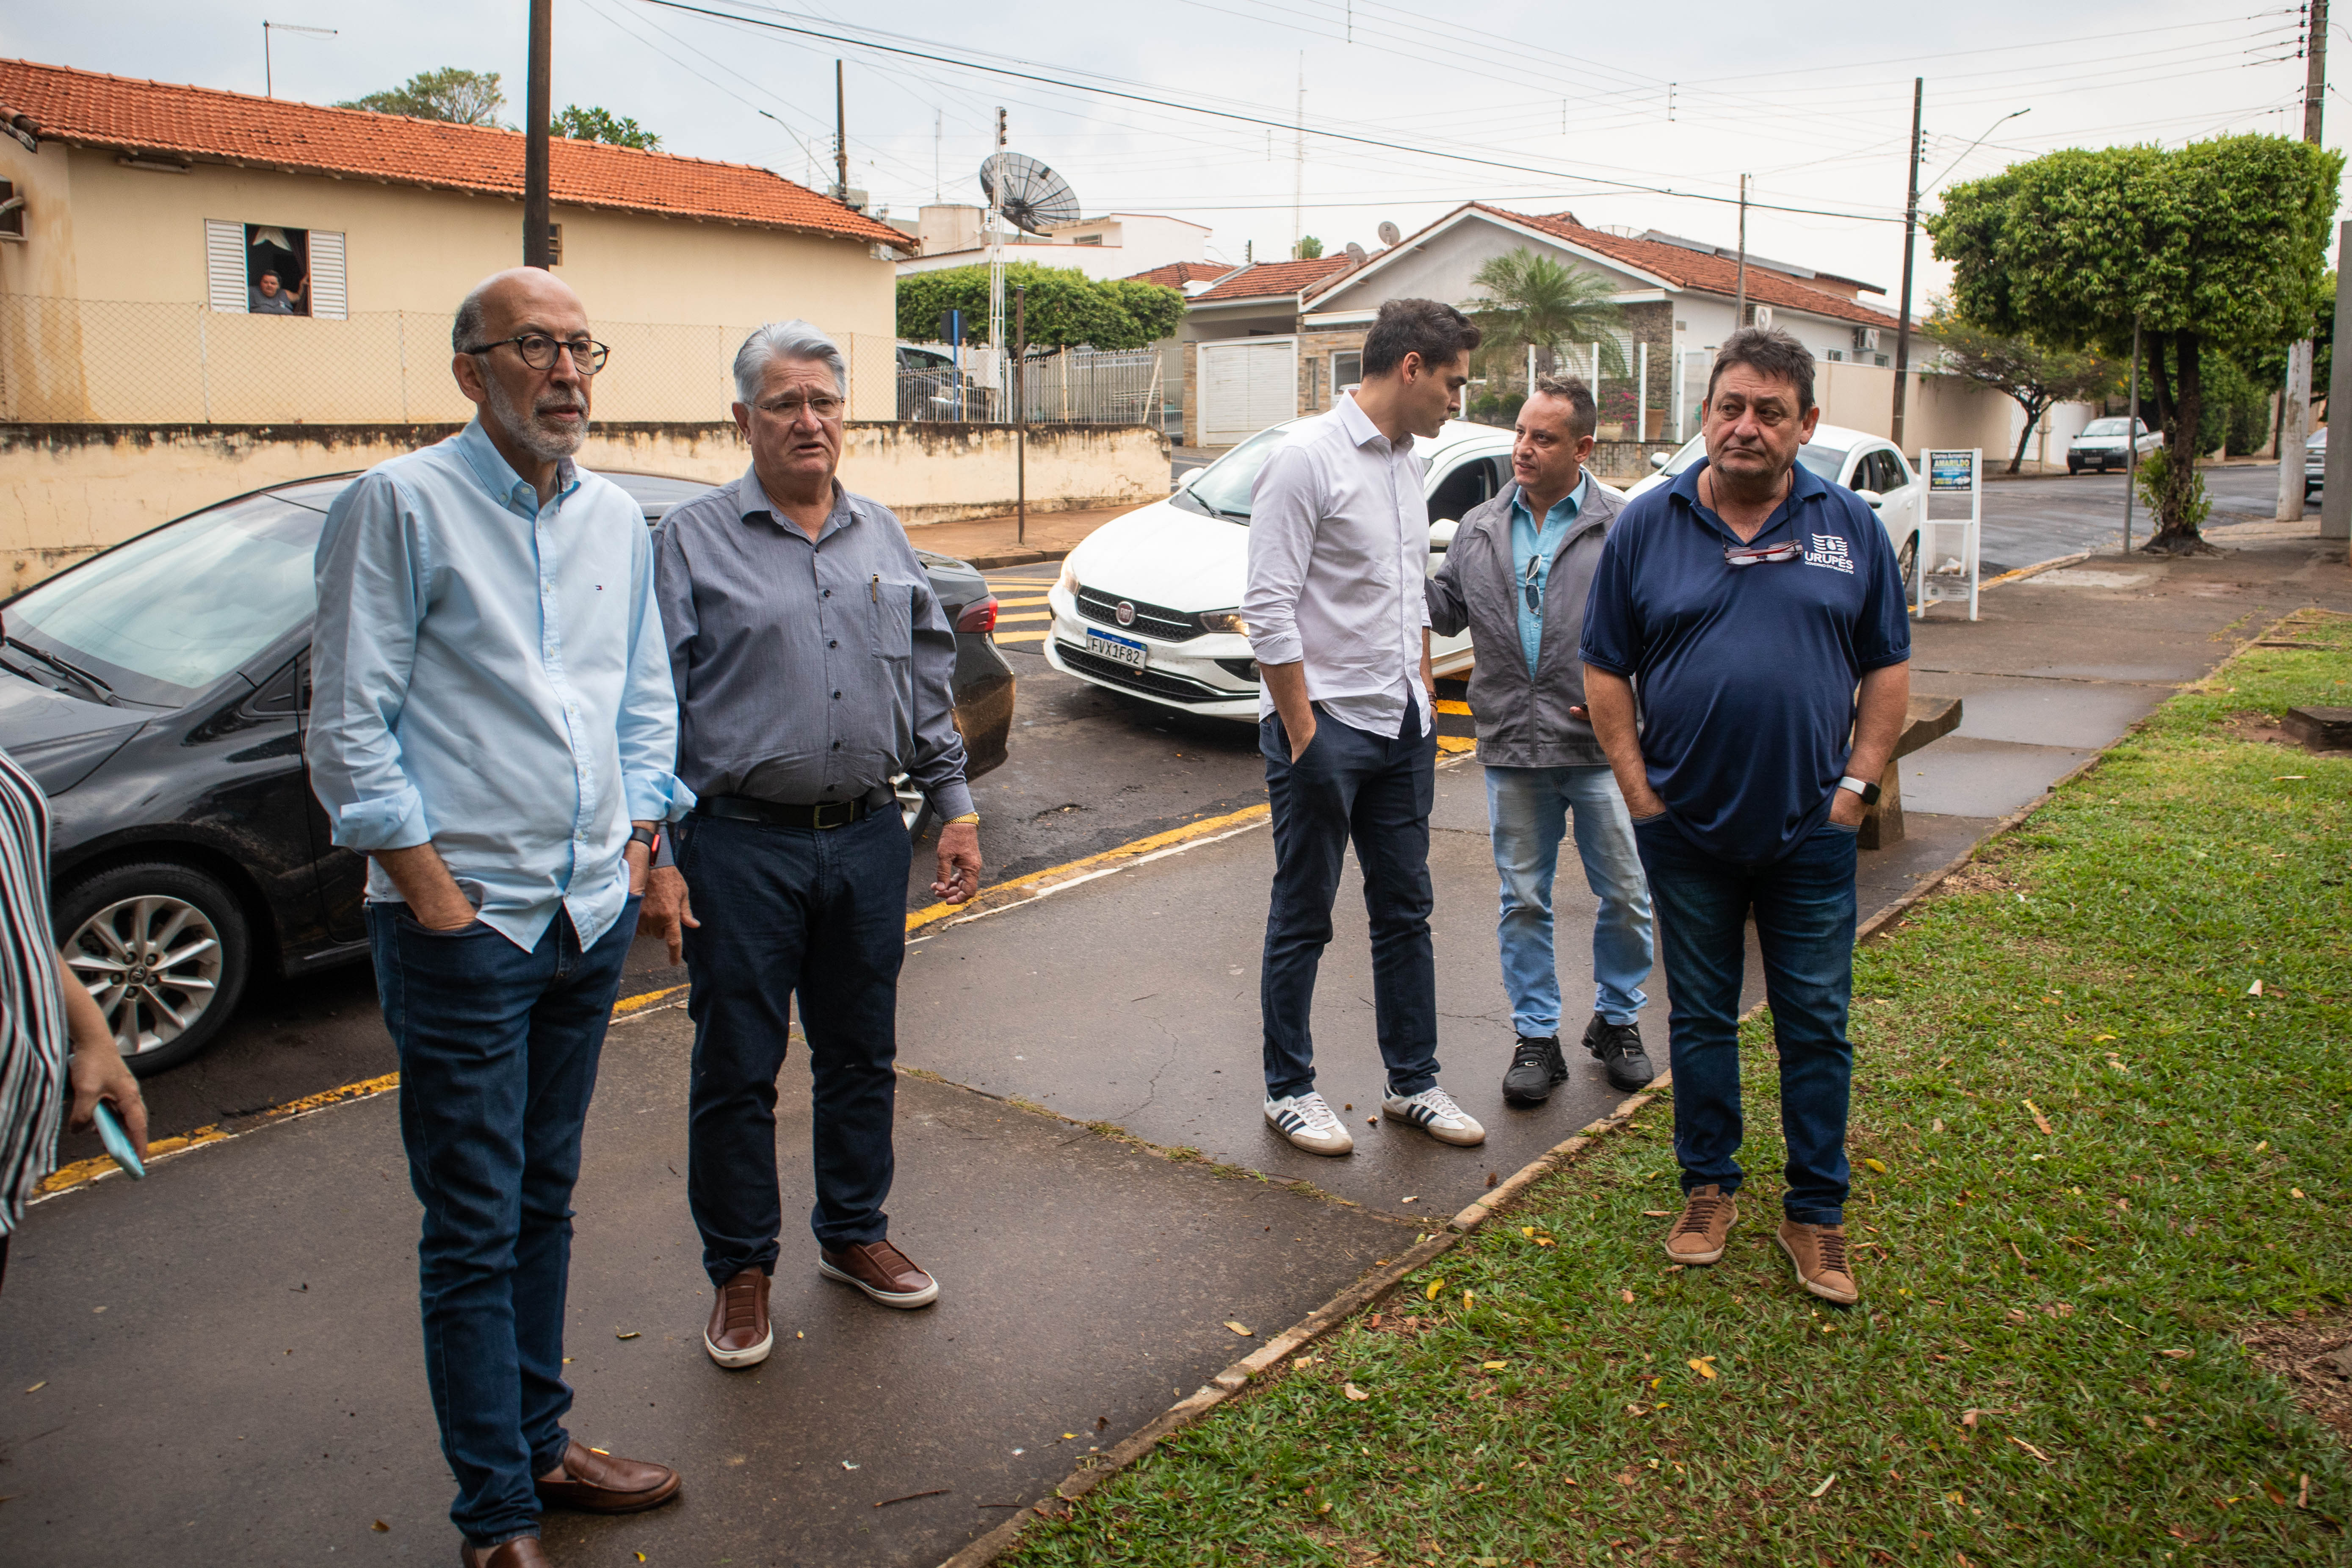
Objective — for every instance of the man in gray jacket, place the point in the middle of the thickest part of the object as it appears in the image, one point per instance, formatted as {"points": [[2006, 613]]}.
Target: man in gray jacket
{"points": [[1517, 574]]}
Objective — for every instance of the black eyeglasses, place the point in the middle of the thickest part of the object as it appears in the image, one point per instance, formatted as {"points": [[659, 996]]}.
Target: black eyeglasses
{"points": [[788, 408], [538, 351], [1762, 555]]}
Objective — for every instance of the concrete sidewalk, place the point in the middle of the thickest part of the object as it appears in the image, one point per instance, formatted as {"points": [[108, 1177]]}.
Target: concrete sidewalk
{"points": [[222, 1361], [989, 542]]}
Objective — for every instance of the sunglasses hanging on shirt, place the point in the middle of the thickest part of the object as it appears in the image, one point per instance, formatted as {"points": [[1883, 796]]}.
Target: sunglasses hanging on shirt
{"points": [[1761, 555]]}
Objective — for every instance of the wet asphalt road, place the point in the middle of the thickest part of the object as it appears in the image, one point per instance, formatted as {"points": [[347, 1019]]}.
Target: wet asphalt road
{"points": [[1088, 769]]}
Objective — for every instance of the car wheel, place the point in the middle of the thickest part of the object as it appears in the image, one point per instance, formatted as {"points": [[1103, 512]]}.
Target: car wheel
{"points": [[164, 950], [1906, 558], [2074, 471]]}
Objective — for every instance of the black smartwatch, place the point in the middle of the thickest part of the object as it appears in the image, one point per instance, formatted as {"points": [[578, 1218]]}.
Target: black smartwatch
{"points": [[1869, 791], [645, 836]]}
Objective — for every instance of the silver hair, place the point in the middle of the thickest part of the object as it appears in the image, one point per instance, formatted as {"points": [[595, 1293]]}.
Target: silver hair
{"points": [[472, 320], [793, 340]]}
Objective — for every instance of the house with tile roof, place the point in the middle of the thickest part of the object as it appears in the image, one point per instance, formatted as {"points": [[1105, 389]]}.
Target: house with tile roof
{"points": [[152, 210], [1286, 338]]}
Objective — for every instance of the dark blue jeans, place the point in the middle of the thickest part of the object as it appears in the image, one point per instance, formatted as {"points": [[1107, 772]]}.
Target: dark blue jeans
{"points": [[497, 1060], [1350, 786], [823, 912], [1805, 909]]}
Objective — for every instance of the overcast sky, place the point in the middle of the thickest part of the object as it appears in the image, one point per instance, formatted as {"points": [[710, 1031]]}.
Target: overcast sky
{"points": [[1598, 109]]}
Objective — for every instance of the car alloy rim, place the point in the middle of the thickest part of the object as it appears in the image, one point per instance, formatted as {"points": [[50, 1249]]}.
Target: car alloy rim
{"points": [[152, 965]]}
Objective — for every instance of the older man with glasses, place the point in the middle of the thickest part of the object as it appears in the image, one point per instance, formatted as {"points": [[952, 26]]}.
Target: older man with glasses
{"points": [[1750, 598], [494, 729], [814, 664]]}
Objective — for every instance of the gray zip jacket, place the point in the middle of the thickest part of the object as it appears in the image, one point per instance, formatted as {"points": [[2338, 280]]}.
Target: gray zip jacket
{"points": [[1523, 722]]}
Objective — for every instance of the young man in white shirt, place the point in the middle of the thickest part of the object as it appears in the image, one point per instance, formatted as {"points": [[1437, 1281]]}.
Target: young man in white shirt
{"points": [[1339, 550]]}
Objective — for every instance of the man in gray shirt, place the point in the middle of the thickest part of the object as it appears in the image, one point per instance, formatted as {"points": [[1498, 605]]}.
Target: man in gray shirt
{"points": [[812, 663]]}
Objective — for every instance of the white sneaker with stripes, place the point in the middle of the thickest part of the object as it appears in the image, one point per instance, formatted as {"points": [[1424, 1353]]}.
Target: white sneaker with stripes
{"points": [[1434, 1111], [1306, 1120]]}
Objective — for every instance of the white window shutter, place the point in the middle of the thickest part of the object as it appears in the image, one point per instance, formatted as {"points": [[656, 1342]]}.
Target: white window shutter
{"points": [[225, 265], [330, 293]]}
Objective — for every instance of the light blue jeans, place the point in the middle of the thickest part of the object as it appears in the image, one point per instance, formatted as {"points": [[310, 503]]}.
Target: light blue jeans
{"points": [[1530, 809]]}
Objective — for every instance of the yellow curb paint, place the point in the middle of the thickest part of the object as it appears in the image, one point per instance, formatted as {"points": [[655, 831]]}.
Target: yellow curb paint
{"points": [[1024, 637], [1036, 882], [1456, 743], [82, 1172], [1004, 604], [1018, 620], [1447, 705], [628, 1004]]}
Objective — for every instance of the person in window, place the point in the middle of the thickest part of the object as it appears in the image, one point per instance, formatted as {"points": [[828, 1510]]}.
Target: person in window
{"points": [[269, 297]]}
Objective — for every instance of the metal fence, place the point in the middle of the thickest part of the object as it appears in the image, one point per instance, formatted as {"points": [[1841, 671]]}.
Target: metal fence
{"points": [[163, 362], [1082, 386]]}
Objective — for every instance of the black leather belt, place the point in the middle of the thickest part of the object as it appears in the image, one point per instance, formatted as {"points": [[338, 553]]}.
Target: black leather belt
{"points": [[776, 814]]}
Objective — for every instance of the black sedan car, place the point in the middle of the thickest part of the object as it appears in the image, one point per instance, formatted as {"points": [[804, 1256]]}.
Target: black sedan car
{"points": [[158, 692]]}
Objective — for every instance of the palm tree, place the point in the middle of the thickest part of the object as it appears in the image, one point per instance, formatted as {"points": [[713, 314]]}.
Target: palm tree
{"points": [[1534, 302]]}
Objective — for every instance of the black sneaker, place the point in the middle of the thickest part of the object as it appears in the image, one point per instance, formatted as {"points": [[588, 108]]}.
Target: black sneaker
{"points": [[1618, 1049], [1535, 1065]]}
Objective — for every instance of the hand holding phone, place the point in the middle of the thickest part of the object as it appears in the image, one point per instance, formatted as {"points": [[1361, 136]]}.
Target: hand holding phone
{"points": [[118, 1142]]}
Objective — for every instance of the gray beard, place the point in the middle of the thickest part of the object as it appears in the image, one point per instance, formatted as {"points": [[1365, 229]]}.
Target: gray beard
{"points": [[548, 445]]}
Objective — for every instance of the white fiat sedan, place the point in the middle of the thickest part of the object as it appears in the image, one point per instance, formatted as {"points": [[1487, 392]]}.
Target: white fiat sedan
{"points": [[1870, 466], [1150, 605]]}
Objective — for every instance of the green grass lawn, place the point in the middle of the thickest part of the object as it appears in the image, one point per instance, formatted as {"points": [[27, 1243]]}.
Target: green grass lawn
{"points": [[2046, 1366]]}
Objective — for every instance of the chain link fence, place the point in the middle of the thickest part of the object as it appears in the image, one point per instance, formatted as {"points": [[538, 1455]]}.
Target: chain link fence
{"points": [[115, 361]]}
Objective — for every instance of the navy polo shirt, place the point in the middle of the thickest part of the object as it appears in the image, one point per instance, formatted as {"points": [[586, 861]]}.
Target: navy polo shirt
{"points": [[1747, 674]]}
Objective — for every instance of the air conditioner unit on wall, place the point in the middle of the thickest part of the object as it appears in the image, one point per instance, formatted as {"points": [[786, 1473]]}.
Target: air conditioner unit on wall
{"points": [[1866, 339], [1763, 315]]}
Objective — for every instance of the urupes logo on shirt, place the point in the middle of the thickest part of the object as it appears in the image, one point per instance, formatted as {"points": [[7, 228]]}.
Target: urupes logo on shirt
{"points": [[1829, 550]]}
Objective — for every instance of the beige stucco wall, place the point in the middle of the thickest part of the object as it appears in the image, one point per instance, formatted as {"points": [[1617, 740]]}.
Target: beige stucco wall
{"points": [[1938, 410], [68, 491]]}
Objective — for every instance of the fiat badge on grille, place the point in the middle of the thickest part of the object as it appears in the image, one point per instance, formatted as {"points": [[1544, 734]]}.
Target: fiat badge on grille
{"points": [[1126, 613]]}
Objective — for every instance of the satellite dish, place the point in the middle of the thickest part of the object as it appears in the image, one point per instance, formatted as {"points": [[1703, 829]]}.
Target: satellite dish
{"points": [[1356, 253], [1389, 233], [1030, 196]]}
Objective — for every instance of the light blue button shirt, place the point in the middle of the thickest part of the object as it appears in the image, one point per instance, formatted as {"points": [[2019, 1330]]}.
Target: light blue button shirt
{"points": [[492, 676], [1540, 549]]}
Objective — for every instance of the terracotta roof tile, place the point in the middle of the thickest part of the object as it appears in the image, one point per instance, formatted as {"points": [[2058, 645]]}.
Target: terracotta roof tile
{"points": [[1708, 274], [193, 122], [1176, 273], [1272, 277]]}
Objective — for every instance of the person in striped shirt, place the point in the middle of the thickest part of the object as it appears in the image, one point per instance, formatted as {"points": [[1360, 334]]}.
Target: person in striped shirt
{"points": [[44, 1010]]}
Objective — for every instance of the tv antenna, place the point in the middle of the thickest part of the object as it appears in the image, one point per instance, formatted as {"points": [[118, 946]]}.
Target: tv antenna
{"points": [[269, 75], [1030, 196]]}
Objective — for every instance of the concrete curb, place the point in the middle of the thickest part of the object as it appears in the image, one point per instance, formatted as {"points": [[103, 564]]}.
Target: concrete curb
{"points": [[2021, 573], [998, 559]]}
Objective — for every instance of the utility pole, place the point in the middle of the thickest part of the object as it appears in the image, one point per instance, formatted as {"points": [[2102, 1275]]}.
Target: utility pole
{"points": [[538, 109], [2294, 408], [2336, 491], [1910, 240], [1299, 175], [840, 137], [1740, 299], [1020, 414]]}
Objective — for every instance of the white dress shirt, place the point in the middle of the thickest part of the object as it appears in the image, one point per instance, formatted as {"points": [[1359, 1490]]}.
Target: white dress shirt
{"points": [[1338, 550]]}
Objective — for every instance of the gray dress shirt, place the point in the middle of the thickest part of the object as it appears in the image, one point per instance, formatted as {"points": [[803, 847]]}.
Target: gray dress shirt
{"points": [[805, 673]]}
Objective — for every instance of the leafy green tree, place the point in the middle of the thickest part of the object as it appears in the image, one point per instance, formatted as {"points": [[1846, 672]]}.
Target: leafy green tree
{"points": [[459, 95], [598, 125], [1308, 249], [1066, 307], [2036, 377], [1534, 302], [2216, 247]]}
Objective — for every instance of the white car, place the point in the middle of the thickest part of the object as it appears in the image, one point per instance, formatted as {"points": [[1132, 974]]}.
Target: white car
{"points": [[1871, 467], [1150, 605], [2100, 447]]}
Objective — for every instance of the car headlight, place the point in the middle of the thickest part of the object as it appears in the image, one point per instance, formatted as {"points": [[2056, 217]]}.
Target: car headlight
{"points": [[1224, 621], [1068, 582]]}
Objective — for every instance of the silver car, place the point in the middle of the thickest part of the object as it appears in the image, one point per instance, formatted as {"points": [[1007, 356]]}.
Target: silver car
{"points": [[2100, 447], [2315, 462]]}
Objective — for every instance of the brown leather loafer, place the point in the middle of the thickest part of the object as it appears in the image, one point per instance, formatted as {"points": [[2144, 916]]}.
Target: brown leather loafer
{"points": [[594, 1481], [523, 1551], [882, 1271], [740, 1334]]}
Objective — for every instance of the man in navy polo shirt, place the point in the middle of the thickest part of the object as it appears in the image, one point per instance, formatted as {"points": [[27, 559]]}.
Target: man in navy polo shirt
{"points": [[1748, 599]]}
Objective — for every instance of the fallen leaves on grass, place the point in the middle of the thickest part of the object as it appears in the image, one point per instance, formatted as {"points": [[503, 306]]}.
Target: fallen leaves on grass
{"points": [[1352, 1392], [1876, 1165], [1434, 1287], [1827, 1481], [1704, 1365], [2032, 1450], [2040, 1120], [1627, 1297]]}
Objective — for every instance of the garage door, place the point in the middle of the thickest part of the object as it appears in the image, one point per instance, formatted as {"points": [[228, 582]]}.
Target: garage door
{"points": [[1246, 386]]}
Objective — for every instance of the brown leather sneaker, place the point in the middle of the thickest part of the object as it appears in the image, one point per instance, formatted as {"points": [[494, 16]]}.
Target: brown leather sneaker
{"points": [[594, 1481], [882, 1271], [523, 1551], [1708, 1216], [739, 1333], [1819, 1251]]}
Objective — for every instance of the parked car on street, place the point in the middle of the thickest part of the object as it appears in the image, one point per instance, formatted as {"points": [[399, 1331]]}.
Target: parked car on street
{"points": [[2100, 447], [158, 692], [1149, 604], [2314, 463], [1870, 466]]}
